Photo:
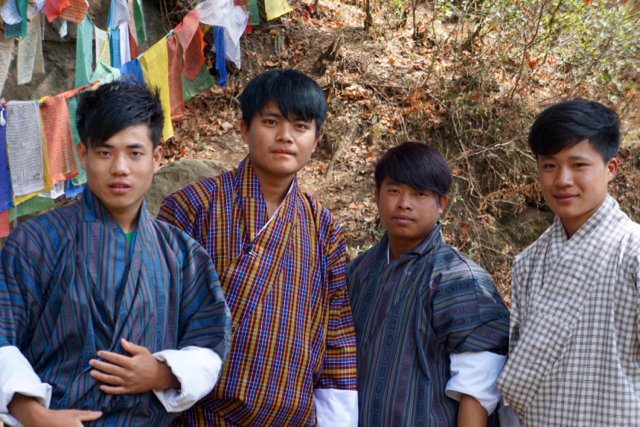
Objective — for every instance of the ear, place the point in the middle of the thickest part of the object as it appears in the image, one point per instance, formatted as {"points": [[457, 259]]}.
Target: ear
{"points": [[81, 149], [157, 158], [442, 204], [612, 169], [315, 143], [244, 131], [376, 195]]}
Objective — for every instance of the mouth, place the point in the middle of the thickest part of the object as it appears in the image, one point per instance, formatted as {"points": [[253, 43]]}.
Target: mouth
{"points": [[119, 187], [402, 219], [565, 197], [283, 152]]}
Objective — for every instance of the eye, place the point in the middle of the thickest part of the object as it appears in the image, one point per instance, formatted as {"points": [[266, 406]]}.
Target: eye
{"points": [[579, 165], [548, 166], [303, 126], [421, 194], [103, 153], [270, 122], [137, 154], [393, 190]]}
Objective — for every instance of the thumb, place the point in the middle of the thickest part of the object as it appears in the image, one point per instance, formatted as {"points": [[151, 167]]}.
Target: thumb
{"points": [[89, 415], [131, 347]]}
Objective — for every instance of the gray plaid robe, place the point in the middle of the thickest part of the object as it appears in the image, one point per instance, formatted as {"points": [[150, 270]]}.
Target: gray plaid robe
{"points": [[574, 351]]}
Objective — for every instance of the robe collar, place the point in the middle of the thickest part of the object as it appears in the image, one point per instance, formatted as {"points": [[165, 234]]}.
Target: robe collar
{"points": [[425, 246], [590, 225]]}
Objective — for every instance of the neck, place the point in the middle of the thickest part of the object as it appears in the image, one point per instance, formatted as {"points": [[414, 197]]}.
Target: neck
{"points": [[572, 225], [274, 189], [127, 218], [399, 246]]}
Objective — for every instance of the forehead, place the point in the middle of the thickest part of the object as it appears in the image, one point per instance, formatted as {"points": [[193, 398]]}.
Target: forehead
{"points": [[271, 109], [583, 150], [132, 135]]}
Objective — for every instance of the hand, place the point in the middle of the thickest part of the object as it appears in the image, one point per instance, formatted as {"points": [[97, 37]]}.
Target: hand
{"points": [[31, 414], [130, 375]]}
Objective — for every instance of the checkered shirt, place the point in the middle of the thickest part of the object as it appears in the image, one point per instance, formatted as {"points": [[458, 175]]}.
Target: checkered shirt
{"points": [[574, 356]]}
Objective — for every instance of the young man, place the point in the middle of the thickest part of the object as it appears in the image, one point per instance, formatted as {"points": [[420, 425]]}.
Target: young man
{"points": [[108, 316], [574, 337], [430, 325], [281, 260]]}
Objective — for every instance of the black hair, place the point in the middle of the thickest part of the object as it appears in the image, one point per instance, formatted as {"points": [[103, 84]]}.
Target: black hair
{"points": [[568, 123], [294, 92], [115, 106], [417, 165]]}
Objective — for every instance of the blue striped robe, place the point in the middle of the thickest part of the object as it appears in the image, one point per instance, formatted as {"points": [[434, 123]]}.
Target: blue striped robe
{"points": [[60, 277], [410, 316]]}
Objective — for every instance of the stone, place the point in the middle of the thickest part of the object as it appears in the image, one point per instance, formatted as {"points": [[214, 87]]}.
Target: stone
{"points": [[179, 174]]}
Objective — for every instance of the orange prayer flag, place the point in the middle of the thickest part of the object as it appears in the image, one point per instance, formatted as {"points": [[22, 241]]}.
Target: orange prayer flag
{"points": [[192, 40], [52, 8], [61, 157], [175, 79], [5, 224], [133, 43], [73, 92], [76, 12]]}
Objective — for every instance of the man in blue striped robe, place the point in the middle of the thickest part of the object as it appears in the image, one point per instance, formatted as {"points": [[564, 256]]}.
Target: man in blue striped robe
{"points": [[107, 316], [431, 328]]}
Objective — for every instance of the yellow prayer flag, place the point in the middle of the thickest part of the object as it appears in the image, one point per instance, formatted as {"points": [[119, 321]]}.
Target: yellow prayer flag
{"points": [[156, 63], [276, 8], [105, 54]]}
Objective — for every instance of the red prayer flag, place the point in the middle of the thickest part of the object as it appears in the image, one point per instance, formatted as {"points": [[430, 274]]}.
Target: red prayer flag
{"points": [[176, 99], [61, 157], [5, 225], [133, 44], [192, 40], [76, 12], [52, 8]]}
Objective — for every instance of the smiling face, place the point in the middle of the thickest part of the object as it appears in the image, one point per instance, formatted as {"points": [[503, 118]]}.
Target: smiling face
{"points": [[574, 183], [279, 146], [409, 215], [120, 171]]}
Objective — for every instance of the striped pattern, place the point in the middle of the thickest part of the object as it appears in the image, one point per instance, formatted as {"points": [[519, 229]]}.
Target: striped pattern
{"points": [[292, 327], [60, 278], [574, 336], [409, 316]]}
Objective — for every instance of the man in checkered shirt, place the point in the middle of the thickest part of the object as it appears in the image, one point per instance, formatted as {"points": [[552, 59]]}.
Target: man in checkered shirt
{"points": [[574, 356]]}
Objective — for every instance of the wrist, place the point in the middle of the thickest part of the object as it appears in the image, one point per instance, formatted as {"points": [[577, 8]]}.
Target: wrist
{"points": [[26, 409], [167, 379]]}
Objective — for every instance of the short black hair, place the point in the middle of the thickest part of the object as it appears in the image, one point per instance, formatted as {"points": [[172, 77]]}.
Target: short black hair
{"points": [[568, 123], [417, 165], [115, 106], [294, 92]]}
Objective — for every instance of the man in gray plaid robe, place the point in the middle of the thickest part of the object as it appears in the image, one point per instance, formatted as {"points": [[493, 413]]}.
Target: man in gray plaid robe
{"points": [[574, 350]]}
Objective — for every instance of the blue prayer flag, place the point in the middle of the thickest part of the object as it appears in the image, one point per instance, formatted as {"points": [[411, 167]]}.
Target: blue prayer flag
{"points": [[132, 69], [5, 177], [221, 51]]}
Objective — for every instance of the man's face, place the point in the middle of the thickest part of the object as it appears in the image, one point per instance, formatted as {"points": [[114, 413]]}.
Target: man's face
{"points": [[408, 214], [120, 171], [574, 183], [279, 146]]}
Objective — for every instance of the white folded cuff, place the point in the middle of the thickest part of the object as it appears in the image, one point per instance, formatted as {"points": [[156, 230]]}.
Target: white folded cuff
{"points": [[475, 374], [336, 408], [17, 376], [197, 369]]}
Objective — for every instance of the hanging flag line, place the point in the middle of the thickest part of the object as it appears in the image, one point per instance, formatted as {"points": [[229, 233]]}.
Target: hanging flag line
{"points": [[38, 138]]}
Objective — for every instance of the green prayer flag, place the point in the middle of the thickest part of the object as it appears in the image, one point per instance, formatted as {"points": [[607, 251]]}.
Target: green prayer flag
{"points": [[22, 10], [203, 81], [84, 52], [72, 106], [254, 12], [34, 204], [138, 19], [106, 74]]}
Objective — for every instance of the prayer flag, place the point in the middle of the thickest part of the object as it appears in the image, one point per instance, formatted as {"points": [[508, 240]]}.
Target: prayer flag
{"points": [[138, 17], [105, 73], [5, 224], [133, 44], [24, 147], [12, 31], [221, 61], [175, 79], [73, 190], [156, 62], [191, 39], [60, 154], [84, 52], [76, 12], [27, 50], [101, 37], [114, 45], [125, 49], [276, 8], [6, 54], [72, 106], [5, 177], [52, 8], [33, 205], [203, 81], [132, 69], [118, 13], [14, 16], [254, 12]]}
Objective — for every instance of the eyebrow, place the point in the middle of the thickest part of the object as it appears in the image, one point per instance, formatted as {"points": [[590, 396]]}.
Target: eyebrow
{"points": [[134, 145], [291, 118], [574, 157], [391, 181]]}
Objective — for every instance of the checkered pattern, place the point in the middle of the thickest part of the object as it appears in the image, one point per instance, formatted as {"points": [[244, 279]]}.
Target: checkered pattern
{"points": [[574, 351], [285, 286]]}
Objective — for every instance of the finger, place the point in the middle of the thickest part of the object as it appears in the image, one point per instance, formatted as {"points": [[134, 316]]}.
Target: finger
{"points": [[108, 379], [132, 348], [115, 358], [88, 415], [115, 390], [108, 368]]}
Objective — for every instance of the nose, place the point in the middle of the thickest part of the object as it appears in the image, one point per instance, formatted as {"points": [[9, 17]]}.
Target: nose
{"points": [[120, 166], [564, 177], [285, 133], [404, 201]]}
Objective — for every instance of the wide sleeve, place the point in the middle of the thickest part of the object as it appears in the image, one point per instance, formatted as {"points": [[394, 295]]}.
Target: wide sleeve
{"points": [[205, 319], [469, 315]]}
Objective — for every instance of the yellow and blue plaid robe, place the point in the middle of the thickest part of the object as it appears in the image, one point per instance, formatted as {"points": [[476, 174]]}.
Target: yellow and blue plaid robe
{"points": [[71, 285], [292, 328]]}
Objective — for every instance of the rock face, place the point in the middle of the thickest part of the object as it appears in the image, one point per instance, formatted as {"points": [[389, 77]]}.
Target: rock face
{"points": [[178, 175], [60, 54]]}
